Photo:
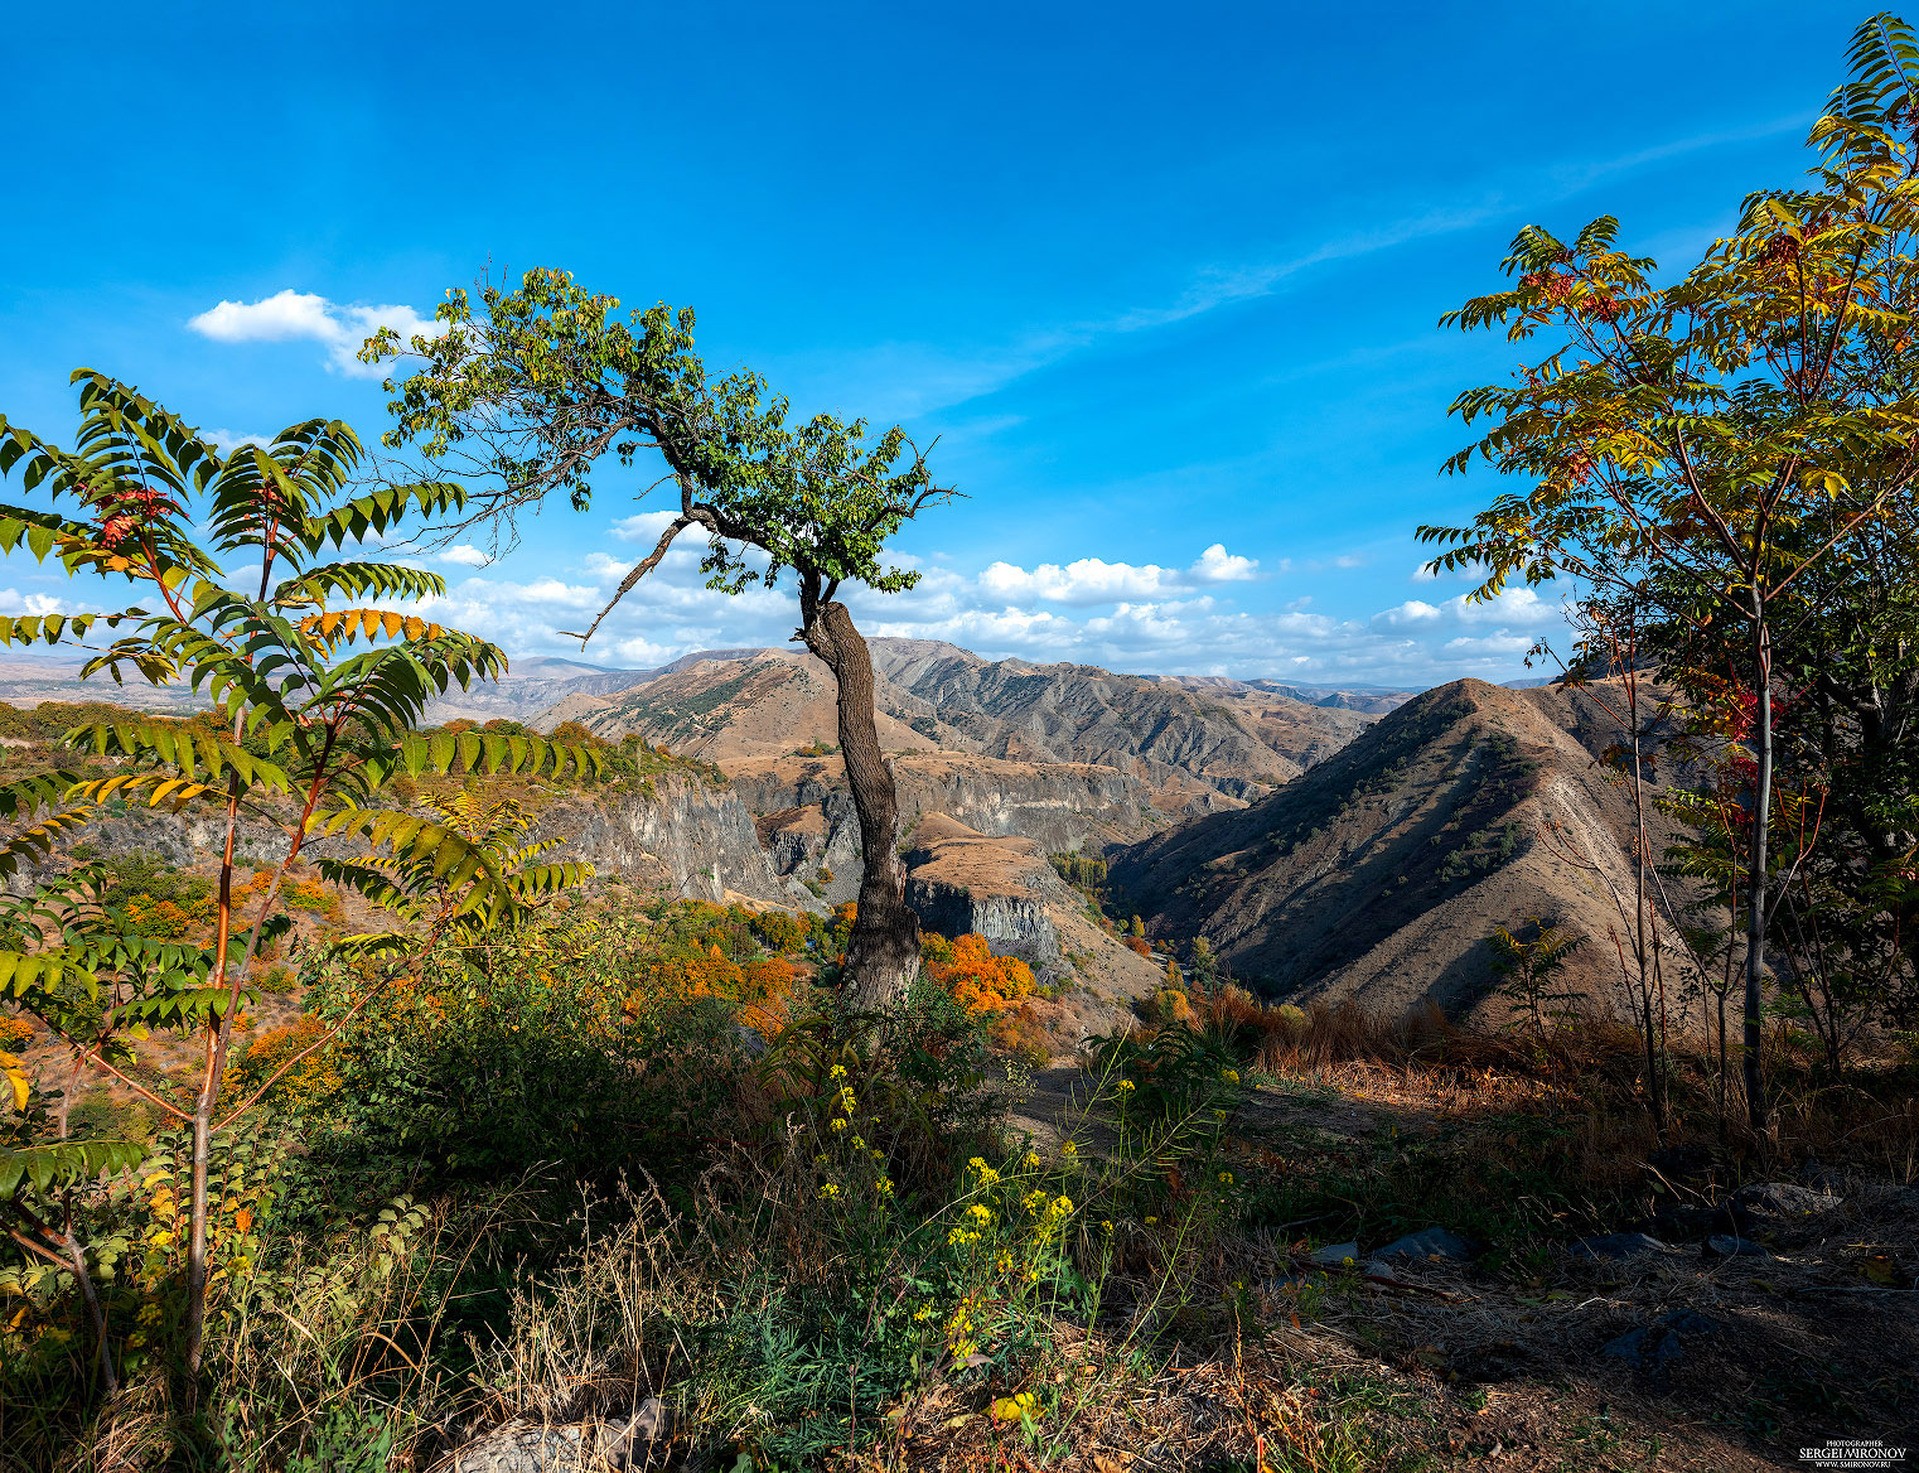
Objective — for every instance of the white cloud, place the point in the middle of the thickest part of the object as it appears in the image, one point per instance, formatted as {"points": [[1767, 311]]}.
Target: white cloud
{"points": [[1217, 565], [645, 526], [465, 556], [290, 316], [567, 595], [1413, 611], [1089, 580], [34, 605], [228, 441], [1510, 605]]}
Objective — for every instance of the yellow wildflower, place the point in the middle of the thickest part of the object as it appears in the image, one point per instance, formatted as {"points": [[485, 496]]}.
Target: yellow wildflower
{"points": [[1022, 1407]]}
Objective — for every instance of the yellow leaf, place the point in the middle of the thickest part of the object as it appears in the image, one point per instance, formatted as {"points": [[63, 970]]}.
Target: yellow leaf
{"points": [[16, 1073]]}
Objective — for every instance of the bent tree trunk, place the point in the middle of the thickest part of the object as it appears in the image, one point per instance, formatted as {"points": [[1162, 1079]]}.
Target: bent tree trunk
{"points": [[883, 952]]}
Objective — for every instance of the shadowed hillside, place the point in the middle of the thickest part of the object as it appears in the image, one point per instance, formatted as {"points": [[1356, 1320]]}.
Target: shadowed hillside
{"points": [[1379, 874]]}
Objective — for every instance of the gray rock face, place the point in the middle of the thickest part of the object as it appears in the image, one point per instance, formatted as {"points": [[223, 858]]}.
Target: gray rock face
{"points": [[1781, 1199], [1432, 1242], [1656, 1346], [1012, 925], [1617, 1245], [808, 824], [688, 837]]}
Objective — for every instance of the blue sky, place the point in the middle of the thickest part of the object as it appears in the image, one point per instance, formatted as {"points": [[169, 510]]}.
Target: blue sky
{"points": [[1163, 281]]}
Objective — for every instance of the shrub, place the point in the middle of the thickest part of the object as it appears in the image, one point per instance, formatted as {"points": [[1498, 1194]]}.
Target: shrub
{"points": [[980, 981]]}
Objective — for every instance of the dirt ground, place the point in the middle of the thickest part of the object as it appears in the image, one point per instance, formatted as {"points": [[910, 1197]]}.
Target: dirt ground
{"points": [[1530, 1356]]}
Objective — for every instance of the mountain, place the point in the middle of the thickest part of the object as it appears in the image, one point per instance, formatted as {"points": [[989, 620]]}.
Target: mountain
{"points": [[30, 681], [1192, 749], [1370, 701], [1379, 874]]}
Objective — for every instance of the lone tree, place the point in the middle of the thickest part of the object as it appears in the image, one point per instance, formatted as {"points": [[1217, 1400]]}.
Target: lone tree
{"points": [[536, 392], [1703, 447]]}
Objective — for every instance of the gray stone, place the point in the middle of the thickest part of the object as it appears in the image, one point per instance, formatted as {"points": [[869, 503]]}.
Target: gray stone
{"points": [[1782, 1199], [1433, 1242], [1688, 1322], [1728, 1246], [1334, 1255], [1617, 1245], [1645, 1349], [632, 1444], [1656, 1346], [526, 1445]]}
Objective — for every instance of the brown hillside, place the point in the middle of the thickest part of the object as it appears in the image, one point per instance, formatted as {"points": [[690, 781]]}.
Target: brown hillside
{"points": [[1194, 747], [1379, 874]]}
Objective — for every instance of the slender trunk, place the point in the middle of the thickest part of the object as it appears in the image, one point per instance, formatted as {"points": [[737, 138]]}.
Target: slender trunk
{"points": [[78, 1258], [219, 1031], [1758, 885], [1641, 900], [66, 1097], [883, 952], [62, 1249]]}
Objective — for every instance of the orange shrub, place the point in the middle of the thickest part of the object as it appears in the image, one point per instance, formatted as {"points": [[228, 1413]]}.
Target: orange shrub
{"points": [[15, 1033], [766, 981], [313, 1078], [983, 982], [167, 920]]}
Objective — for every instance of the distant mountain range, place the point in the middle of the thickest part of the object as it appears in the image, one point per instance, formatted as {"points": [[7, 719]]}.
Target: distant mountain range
{"points": [[1190, 741]]}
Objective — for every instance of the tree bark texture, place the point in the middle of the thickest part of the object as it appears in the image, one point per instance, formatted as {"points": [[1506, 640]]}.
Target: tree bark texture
{"points": [[883, 952]]}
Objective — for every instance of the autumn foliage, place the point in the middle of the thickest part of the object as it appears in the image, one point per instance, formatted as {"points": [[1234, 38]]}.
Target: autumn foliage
{"points": [[967, 968]]}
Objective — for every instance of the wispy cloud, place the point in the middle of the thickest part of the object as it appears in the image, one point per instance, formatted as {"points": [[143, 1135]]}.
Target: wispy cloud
{"points": [[904, 380], [290, 316]]}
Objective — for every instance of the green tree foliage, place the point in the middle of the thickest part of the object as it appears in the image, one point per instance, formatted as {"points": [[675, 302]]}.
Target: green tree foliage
{"points": [[411, 884], [316, 693], [1705, 445], [1528, 960]]}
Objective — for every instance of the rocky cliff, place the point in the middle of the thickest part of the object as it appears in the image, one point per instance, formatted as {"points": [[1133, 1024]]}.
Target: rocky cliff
{"points": [[681, 836], [1003, 888], [806, 818]]}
